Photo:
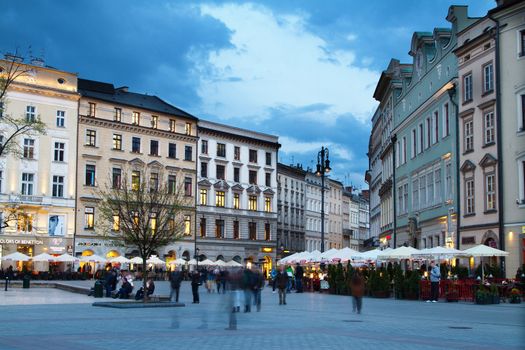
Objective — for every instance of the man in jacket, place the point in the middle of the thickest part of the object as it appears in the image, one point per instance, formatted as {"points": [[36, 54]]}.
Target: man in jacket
{"points": [[175, 281], [435, 276], [282, 282], [299, 273]]}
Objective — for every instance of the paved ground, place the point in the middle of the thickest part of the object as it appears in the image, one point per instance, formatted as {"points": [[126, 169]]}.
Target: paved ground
{"points": [[57, 319]]}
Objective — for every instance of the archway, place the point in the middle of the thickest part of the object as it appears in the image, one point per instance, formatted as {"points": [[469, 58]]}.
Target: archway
{"points": [[186, 255], [238, 259], [220, 257], [112, 254], [88, 252]]}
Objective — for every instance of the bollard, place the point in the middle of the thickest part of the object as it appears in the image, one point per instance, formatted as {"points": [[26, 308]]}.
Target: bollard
{"points": [[6, 280]]}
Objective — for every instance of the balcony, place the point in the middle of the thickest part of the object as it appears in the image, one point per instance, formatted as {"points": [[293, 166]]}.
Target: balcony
{"points": [[26, 199]]}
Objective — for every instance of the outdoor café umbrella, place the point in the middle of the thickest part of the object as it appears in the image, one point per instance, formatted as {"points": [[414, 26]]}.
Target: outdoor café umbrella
{"points": [[120, 260], [155, 260], [66, 258], [93, 258], [481, 251], [330, 255], [439, 253], [233, 263], [370, 255], [44, 257], [206, 262], [398, 253], [16, 257], [192, 262], [347, 253], [178, 261], [219, 263], [136, 260]]}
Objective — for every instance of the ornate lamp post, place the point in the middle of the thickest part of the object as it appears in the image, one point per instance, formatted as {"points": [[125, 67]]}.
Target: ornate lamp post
{"points": [[323, 167], [196, 257]]}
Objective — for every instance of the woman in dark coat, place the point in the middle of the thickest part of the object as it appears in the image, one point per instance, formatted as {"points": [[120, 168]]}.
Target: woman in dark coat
{"points": [[195, 282]]}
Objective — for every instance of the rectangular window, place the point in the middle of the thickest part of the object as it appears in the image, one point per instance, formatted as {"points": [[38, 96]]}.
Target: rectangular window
{"points": [[421, 137], [116, 178], [204, 169], [172, 150], [187, 225], [236, 230], [236, 201], [422, 191], [414, 143], [435, 122], [237, 153], [89, 218], [29, 148], [154, 148], [203, 227], [91, 138], [30, 114], [467, 88], [405, 198], [252, 203], [468, 135], [446, 120], [173, 125], [236, 174], [437, 185], [27, 184], [268, 158], [219, 228], [522, 43], [135, 118], [135, 180], [400, 208], [429, 132], [135, 144], [90, 175], [469, 196], [252, 231], [188, 153], [219, 198], [154, 122], [267, 232], [490, 191], [522, 97], [253, 177], [187, 128], [116, 223], [220, 172], [188, 187], [404, 154], [154, 182], [58, 154], [430, 188], [267, 204], [203, 196], [117, 142], [253, 156], [172, 184], [92, 109], [221, 150], [415, 194], [61, 119], [25, 222], [118, 115], [58, 186], [489, 127], [488, 78], [268, 179], [448, 180], [204, 146]]}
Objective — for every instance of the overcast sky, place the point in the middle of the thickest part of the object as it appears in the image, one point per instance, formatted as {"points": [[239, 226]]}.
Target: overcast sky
{"points": [[304, 70]]}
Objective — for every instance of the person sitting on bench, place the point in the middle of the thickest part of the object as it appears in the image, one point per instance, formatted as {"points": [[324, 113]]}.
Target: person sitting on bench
{"points": [[150, 287], [124, 291]]}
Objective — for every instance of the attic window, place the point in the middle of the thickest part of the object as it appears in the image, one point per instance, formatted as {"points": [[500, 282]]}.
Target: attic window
{"points": [[467, 57], [487, 46], [61, 80]]}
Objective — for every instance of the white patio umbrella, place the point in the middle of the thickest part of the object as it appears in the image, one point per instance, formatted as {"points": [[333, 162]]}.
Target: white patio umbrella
{"points": [[93, 258], [313, 257], [219, 263], [370, 255], [233, 263], [136, 260], [67, 258], [120, 260], [481, 251], [192, 262], [16, 256], [44, 257], [439, 253], [178, 261], [346, 254], [398, 253], [155, 260], [330, 254], [289, 258], [206, 262]]}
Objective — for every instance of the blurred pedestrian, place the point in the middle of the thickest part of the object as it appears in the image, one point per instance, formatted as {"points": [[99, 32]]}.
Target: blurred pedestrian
{"points": [[299, 273], [248, 283], [195, 282], [257, 288], [175, 281], [357, 287], [281, 281]]}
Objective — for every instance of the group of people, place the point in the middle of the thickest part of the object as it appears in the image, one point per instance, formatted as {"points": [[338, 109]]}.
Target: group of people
{"points": [[124, 281]]}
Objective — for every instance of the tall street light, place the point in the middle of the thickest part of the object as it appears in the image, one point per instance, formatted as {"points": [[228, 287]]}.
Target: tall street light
{"points": [[323, 167]]}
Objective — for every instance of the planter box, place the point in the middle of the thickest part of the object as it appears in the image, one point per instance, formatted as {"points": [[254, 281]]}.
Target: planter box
{"points": [[515, 299]]}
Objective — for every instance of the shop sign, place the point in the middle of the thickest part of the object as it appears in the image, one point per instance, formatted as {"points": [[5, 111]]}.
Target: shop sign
{"points": [[21, 241], [267, 249]]}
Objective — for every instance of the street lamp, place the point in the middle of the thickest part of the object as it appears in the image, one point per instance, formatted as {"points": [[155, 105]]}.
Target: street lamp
{"points": [[196, 257], [323, 167]]}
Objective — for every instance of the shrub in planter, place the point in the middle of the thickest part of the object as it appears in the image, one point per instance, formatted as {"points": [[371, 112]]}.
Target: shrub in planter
{"points": [[379, 284], [515, 296], [399, 281], [482, 296], [411, 285]]}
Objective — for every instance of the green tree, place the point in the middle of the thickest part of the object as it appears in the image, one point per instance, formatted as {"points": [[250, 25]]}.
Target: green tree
{"points": [[143, 215], [13, 70]]}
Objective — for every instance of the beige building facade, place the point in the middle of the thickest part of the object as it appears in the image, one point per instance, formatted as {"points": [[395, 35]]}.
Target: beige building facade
{"points": [[37, 191], [121, 133]]}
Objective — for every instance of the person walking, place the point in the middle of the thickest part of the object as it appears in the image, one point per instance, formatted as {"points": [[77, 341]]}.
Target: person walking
{"points": [[257, 288], [299, 273], [435, 276], [248, 283], [281, 280], [357, 286], [195, 282], [175, 281]]}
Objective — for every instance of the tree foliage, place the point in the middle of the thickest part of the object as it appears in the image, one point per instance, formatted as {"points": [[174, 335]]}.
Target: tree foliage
{"points": [[11, 126]]}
